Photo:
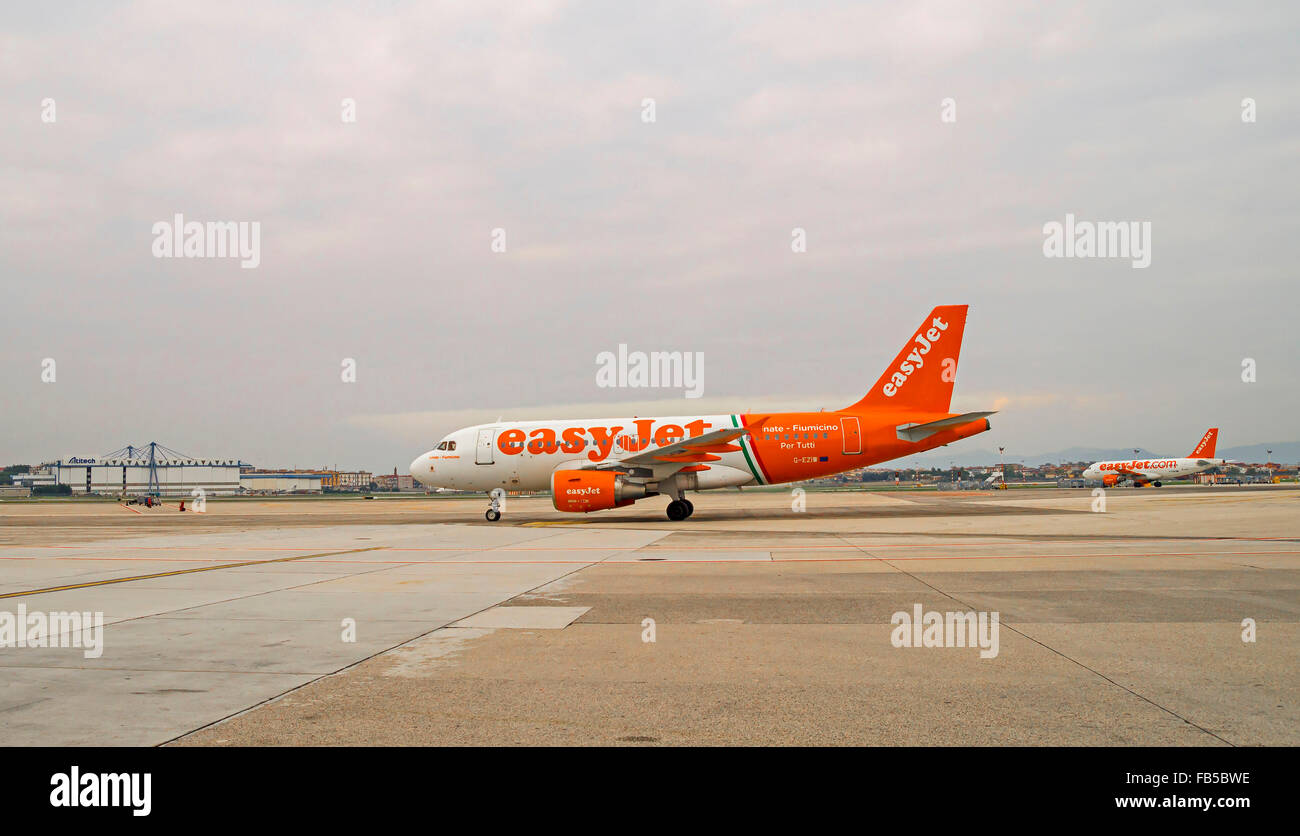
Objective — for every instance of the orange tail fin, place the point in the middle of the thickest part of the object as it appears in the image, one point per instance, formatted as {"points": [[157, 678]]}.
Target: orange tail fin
{"points": [[1205, 448], [922, 375]]}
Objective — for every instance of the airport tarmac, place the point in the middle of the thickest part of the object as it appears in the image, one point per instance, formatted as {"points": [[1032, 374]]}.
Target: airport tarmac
{"points": [[770, 625]]}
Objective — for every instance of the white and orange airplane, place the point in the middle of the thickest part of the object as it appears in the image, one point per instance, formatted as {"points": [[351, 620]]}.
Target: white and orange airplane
{"points": [[1142, 472], [600, 463]]}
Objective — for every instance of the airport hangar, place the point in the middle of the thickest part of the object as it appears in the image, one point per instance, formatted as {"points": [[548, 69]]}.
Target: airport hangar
{"points": [[152, 468], [161, 471]]}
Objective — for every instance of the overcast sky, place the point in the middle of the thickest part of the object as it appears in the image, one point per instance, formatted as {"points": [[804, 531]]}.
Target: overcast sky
{"points": [[667, 235]]}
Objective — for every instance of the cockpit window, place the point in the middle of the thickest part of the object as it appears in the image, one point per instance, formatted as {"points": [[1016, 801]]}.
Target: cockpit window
{"points": [[451, 445], [442, 446]]}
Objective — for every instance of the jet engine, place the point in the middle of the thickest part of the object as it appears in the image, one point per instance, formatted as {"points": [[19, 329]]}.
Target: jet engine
{"points": [[580, 491]]}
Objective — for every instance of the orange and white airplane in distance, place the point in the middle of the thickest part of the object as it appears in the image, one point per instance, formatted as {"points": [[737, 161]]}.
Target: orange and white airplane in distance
{"points": [[600, 463], [1151, 471]]}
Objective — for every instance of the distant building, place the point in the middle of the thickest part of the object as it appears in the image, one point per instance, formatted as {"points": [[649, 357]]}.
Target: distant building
{"points": [[395, 482], [281, 481], [151, 468], [353, 481], [46, 474]]}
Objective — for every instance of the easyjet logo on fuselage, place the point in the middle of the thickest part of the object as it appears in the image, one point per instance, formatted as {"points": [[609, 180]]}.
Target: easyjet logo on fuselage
{"points": [[1147, 464], [573, 439], [924, 342]]}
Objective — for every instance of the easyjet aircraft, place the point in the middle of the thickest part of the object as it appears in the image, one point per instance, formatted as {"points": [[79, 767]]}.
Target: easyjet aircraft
{"points": [[599, 463], [1151, 471]]}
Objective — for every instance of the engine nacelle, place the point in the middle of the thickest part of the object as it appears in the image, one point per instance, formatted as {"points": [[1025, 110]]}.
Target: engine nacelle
{"points": [[1110, 480], [581, 491]]}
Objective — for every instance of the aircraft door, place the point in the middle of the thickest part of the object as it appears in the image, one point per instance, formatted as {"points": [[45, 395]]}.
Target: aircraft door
{"points": [[852, 435], [483, 450]]}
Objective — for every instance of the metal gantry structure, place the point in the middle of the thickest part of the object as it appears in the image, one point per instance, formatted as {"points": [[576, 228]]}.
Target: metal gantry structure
{"points": [[151, 456]]}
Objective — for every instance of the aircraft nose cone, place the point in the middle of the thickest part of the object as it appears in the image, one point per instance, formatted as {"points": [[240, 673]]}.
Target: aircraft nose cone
{"points": [[414, 469]]}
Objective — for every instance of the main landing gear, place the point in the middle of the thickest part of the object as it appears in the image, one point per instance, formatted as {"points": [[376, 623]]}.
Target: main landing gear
{"points": [[680, 509]]}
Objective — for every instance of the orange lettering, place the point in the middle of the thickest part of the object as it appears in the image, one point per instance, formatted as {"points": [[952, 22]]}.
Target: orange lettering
{"points": [[572, 440], [604, 437], [540, 440], [666, 432], [642, 435], [511, 442], [697, 427]]}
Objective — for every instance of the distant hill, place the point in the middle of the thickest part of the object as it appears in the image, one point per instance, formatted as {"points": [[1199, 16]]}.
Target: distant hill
{"points": [[1284, 452]]}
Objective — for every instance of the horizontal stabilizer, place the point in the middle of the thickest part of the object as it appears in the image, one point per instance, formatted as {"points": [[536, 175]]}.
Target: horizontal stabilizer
{"points": [[920, 432]]}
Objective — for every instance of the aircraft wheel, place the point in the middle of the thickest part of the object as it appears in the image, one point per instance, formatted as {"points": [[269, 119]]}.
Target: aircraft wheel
{"points": [[1156, 484], [690, 507], [677, 510], [493, 515]]}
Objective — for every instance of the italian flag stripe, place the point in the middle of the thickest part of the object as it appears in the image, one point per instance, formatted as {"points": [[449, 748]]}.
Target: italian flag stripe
{"points": [[744, 446]]}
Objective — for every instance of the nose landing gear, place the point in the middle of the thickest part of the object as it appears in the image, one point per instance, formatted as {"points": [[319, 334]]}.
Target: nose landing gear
{"points": [[494, 509]]}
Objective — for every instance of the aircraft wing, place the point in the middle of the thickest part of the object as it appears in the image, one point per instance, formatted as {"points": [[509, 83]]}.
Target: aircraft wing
{"points": [[1138, 478], [670, 458]]}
